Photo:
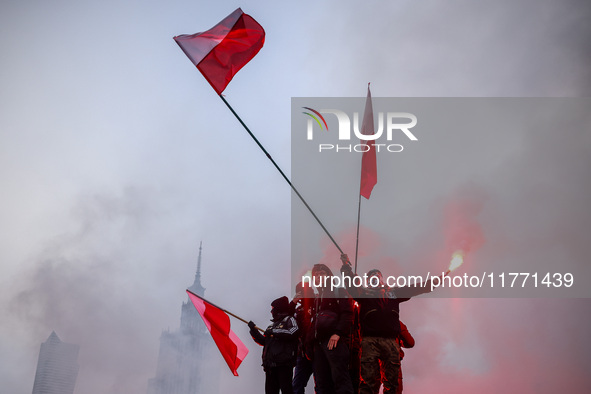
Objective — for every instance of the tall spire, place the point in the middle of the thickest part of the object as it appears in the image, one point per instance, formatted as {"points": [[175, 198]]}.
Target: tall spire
{"points": [[196, 287], [198, 273]]}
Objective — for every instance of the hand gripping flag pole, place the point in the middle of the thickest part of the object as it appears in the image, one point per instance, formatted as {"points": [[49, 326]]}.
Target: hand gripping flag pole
{"points": [[220, 53], [369, 170]]}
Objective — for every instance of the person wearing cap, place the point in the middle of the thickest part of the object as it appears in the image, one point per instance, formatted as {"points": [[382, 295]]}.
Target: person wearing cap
{"points": [[280, 343], [379, 308], [331, 325]]}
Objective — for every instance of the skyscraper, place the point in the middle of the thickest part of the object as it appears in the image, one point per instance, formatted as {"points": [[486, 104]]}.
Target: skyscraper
{"points": [[57, 368], [187, 360]]}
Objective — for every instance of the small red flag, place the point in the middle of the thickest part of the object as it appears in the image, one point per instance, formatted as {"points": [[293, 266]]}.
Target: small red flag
{"points": [[369, 166], [218, 324], [223, 50]]}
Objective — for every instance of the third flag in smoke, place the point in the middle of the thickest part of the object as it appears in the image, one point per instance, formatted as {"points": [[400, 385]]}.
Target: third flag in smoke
{"points": [[369, 167]]}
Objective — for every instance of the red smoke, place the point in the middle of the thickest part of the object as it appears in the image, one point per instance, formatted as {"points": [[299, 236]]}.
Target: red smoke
{"points": [[461, 227], [481, 345]]}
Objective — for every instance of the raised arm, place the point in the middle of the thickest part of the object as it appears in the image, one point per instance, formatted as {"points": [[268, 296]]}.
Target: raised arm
{"points": [[415, 290], [347, 271]]}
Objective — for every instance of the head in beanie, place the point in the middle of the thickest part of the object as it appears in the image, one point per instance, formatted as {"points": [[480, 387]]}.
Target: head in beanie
{"points": [[280, 307]]}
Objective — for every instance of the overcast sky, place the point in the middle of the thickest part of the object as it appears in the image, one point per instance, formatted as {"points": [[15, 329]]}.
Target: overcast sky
{"points": [[117, 159]]}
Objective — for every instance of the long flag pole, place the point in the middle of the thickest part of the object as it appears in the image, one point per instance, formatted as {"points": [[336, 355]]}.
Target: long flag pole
{"points": [[357, 239], [369, 176], [223, 50], [281, 172], [224, 310]]}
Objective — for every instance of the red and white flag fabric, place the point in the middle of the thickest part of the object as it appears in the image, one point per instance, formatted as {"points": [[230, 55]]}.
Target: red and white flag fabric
{"points": [[220, 52], [369, 166], [218, 324]]}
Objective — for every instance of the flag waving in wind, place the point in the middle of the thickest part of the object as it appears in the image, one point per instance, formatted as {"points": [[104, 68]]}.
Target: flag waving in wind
{"points": [[369, 167], [218, 324], [219, 54], [223, 50]]}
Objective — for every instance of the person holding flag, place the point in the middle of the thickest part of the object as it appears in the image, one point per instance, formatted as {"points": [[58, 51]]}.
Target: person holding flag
{"points": [[280, 344], [379, 310]]}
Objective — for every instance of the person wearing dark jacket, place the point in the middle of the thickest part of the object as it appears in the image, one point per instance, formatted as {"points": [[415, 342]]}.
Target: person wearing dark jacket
{"points": [[379, 308], [280, 343], [331, 326]]}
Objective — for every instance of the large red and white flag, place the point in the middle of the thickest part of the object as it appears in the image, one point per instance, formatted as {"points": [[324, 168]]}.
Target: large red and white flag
{"points": [[218, 324], [369, 166], [220, 52]]}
